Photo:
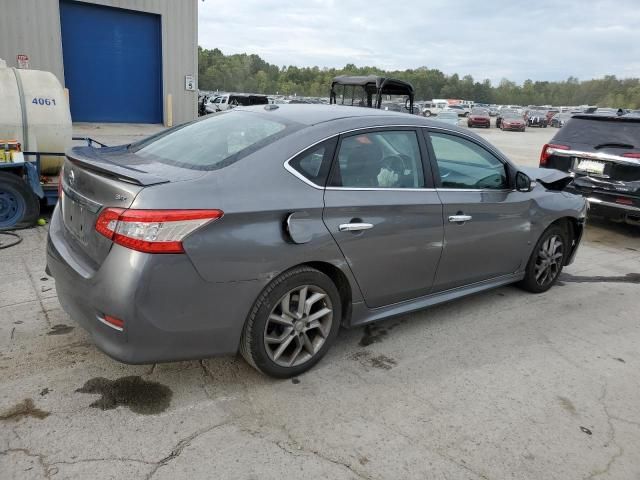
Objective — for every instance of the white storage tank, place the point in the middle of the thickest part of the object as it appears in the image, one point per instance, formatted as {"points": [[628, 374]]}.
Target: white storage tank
{"points": [[35, 111]]}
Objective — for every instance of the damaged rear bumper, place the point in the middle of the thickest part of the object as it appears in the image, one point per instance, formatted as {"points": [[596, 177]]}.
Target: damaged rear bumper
{"points": [[616, 201]]}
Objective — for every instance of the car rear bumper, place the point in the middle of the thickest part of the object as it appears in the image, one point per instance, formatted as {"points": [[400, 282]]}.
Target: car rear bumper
{"points": [[169, 311], [606, 205]]}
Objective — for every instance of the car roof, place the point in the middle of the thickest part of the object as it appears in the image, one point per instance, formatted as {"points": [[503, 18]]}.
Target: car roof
{"points": [[313, 114]]}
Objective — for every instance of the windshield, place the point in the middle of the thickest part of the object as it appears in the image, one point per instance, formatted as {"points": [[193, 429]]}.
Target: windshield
{"points": [[479, 111], [213, 142]]}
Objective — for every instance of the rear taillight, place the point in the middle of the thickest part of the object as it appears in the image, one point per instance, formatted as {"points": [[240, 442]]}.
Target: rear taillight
{"points": [[545, 154], [631, 155], [152, 231]]}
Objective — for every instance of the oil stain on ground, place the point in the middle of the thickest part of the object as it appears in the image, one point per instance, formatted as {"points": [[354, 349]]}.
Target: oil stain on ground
{"points": [[628, 278], [141, 396], [567, 405], [60, 329], [382, 362], [25, 408], [372, 334]]}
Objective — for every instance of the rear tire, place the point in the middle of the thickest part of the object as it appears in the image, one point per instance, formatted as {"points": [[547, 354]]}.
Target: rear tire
{"points": [[547, 260], [283, 339], [19, 207]]}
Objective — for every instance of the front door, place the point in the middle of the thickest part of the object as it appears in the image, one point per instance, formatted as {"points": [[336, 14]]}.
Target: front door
{"points": [[384, 219], [486, 223]]}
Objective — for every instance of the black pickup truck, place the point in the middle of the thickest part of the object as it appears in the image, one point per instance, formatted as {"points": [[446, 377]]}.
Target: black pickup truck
{"points": [[602, 154]]}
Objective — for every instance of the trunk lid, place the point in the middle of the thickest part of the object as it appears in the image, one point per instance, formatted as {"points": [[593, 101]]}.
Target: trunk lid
{"points": [[95, 178]]}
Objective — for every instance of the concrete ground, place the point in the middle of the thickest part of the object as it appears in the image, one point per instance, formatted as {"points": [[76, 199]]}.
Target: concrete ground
{"points": [[499, 385]]}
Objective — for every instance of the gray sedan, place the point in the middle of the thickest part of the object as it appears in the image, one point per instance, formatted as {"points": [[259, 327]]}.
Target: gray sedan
{"points": [[264, 229]]}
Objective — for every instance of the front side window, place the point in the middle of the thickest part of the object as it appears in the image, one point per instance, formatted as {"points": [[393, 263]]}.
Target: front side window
{"points": [[387, 159], [466, 165]]}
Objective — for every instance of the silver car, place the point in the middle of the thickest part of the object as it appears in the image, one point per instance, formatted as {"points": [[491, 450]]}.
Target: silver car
{"points": [[448, 116], [264, 229]]}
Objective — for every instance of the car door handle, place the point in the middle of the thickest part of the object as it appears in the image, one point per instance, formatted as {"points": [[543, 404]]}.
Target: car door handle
{"points": [[459, 218], [354, 227]]}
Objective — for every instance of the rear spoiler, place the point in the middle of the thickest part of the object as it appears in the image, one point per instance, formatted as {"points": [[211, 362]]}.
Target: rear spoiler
{"points": [[91, 159]]}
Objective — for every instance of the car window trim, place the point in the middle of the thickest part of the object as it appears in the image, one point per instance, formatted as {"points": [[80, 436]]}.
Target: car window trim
{"points": [[436, 171], [298, 175]]}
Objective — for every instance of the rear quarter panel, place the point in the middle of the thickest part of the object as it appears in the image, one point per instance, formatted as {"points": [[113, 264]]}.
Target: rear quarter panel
{"points": [[250, 242]]}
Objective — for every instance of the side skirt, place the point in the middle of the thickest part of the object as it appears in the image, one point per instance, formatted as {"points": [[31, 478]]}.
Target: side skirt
{"points": [[361, 314]]}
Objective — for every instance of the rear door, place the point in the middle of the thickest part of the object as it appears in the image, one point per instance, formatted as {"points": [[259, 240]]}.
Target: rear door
{"points": [[486, 223], [384, 214]]}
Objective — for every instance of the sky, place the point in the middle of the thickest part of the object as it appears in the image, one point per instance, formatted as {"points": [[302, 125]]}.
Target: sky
{"points": [[494, 39]]}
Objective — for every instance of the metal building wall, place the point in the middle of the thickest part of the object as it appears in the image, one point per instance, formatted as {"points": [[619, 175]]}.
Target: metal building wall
{"points": [[33, 27]]}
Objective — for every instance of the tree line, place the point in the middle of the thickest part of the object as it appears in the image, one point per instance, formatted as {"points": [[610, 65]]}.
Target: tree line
{"points": [[250, 73]]}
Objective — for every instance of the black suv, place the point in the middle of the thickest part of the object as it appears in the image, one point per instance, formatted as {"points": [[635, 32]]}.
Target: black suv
{"points": [[602, 153]]}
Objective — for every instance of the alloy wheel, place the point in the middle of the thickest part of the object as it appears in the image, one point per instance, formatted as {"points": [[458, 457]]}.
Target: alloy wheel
{"points": [[549, 261], [298, 326]]}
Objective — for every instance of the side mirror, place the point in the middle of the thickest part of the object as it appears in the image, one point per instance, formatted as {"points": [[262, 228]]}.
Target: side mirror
{"points": [[523, 182]]}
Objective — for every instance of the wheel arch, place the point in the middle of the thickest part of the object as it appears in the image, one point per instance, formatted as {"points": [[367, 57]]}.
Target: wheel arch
{"points": [[574, 228], [341, 282]]}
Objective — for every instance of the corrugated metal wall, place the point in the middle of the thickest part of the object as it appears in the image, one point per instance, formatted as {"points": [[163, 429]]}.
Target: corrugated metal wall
{"points": [[32, 27]]}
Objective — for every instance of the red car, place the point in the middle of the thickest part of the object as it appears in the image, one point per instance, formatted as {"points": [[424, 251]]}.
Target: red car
{"points": [[512, 122], [479, 117]]}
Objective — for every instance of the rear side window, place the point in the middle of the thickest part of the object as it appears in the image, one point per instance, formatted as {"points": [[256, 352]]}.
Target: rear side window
{"points": [[387, 159], [213, 142], [314, 163]]}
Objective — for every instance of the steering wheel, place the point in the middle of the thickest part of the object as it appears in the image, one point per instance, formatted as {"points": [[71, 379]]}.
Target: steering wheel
{"points": [[396, 163]]}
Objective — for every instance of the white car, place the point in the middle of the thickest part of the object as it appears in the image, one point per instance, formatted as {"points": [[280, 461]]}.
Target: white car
{"points": [[462, 110], [232, 100], [217, 104]]}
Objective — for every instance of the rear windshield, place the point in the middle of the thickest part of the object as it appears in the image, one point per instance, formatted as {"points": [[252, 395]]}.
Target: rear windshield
{"points": [[213, 142], [600, 131]]}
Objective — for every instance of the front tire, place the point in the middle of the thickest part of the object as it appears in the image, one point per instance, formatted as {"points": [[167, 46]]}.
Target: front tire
{"points": [[546, 262], [292, 324]]}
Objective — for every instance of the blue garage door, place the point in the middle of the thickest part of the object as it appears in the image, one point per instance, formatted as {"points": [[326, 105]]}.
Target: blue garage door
{"points": [[112, 63]]}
